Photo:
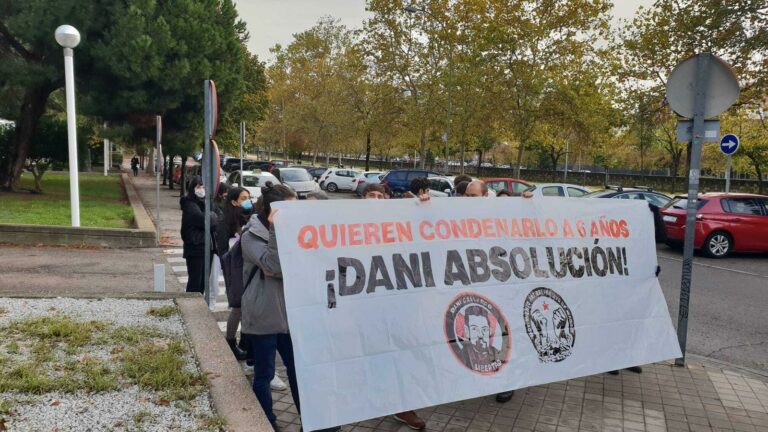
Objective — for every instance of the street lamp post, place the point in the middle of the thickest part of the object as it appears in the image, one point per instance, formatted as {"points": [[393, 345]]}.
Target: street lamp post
{"points": [[411, 8], [68, 37]]}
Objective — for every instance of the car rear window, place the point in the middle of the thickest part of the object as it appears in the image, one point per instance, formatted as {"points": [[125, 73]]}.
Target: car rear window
{"points": [[682, 203], [573, 192], [747, 206], [416, 174], [397, 175], [551, 190], [250, 181]]}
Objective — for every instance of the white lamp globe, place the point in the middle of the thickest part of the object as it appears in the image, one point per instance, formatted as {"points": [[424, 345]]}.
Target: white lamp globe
{"points": [[67, 36]]}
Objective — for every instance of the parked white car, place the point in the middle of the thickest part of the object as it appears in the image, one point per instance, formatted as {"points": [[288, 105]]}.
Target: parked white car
{"points": [[252, 181], [560, 189], [336, 179], [440, 186], [299, 180]]}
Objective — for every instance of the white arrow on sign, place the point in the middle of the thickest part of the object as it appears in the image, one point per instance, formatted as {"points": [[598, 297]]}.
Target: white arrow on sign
{"points": [[730, 144]]}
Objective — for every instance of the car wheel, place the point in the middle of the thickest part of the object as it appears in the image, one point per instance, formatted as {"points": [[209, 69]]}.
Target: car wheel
{"points": [[718, 245], [331, 187]]}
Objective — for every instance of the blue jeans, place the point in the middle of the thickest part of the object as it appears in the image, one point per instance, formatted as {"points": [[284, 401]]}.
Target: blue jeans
{"points": [[262, 349]]}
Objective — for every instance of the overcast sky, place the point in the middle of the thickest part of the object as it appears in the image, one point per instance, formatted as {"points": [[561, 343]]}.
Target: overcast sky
{"points": [[275, 21]]}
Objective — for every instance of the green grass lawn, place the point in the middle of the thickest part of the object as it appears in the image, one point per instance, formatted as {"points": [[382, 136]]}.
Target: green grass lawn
{"points": [[102, 202]]}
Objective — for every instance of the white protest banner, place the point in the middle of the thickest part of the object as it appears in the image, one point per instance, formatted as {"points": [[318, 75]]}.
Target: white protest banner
{"points": [[396, 305]]}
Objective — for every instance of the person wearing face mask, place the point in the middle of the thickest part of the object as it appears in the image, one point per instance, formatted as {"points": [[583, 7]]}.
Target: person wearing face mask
{"points": [[264, 320], [193, 233], [237, 209]]}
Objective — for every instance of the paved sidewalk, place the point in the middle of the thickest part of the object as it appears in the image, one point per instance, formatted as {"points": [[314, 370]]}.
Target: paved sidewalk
{"points": [[700, 397]]}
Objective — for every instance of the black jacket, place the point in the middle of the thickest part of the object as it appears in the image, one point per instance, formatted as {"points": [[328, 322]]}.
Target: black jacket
{"points": [[193, 226]]}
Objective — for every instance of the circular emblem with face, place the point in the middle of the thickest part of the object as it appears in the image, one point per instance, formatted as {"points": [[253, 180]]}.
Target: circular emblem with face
{"points": [[478, 333], [549, 324]]}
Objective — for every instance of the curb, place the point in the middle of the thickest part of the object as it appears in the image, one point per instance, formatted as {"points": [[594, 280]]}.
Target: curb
{"points": [[232, 397], [140, 214], [721, 364]]}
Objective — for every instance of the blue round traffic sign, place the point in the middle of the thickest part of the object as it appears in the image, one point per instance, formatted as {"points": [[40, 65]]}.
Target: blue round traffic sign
{"points": [[729, 144]]}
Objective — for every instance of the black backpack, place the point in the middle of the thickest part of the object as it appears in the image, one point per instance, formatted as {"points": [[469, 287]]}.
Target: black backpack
{"points": [[232, 268]]}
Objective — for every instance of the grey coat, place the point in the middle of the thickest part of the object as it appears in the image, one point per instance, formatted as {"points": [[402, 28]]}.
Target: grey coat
{"points": [[263, 304]]}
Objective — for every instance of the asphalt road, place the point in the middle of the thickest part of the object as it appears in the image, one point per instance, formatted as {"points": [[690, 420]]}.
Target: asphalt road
{"points": [[728, 306]]}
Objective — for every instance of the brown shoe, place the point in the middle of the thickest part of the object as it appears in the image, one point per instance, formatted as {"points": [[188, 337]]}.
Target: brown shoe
{"points": [[411, 419]]}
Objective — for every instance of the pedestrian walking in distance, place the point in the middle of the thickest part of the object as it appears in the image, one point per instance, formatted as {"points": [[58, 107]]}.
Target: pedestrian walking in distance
{"points": [[135, 165]]}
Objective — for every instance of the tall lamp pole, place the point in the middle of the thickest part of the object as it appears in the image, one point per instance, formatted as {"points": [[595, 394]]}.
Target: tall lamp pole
{"points": [[68, 37]]}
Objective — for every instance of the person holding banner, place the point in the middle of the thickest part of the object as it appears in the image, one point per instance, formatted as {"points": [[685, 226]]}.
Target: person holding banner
{"points": [[377, 191], [264, 321], [478, 188]]}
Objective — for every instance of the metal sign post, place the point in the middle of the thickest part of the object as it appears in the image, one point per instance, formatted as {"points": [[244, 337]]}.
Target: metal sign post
{"points": [[242, 143], [158, 169], [209, 171], [728, 145], [712, 84]]}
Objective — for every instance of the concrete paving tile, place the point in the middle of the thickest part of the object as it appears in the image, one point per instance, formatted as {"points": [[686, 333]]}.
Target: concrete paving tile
{"points": [[610, 422], [480, 425], [500, 428], [438, 417], [524, 424], [743, 427], [633, 426], [435, 426], [459, 421], [677, 425], [544, 427], [633, 417]]}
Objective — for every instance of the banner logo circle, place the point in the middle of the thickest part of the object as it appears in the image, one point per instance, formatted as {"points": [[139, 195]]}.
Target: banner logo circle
{"points": [[549, 323], [477, 332]]}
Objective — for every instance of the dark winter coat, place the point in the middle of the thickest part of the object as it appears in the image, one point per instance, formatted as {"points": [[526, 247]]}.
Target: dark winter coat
{"points": [[263, 304], [193, 222]]}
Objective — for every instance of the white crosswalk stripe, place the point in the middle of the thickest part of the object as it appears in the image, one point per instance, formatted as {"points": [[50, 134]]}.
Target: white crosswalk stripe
{"points": [[175, 259]]}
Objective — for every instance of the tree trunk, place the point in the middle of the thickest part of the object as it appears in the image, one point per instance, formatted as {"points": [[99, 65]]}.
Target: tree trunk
{"points": [[183, 184], [479, 161], [423, 146], [368, 150], [463, 148], [759, 173], [519, 161], [165, 171], [87, 159], [32, 109], [169, 172]]}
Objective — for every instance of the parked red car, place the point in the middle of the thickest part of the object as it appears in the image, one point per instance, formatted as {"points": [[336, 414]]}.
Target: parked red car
{"points": [[725, 223], [497, 184]]}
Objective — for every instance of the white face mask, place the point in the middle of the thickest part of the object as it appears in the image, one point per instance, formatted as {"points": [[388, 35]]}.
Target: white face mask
{"points": [[200, 192]]}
